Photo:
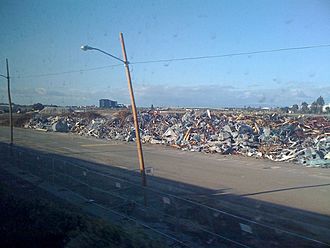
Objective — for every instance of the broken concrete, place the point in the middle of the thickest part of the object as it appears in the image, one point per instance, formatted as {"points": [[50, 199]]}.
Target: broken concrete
{"points": [[304, 140]]}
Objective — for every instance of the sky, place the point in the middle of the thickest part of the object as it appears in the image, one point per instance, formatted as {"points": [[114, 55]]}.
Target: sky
{"points": [[42, 40]]}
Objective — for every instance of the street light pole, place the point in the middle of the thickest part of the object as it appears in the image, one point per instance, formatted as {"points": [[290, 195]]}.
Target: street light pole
{"points": [[136, 124], [10, 104], [134, 111]]}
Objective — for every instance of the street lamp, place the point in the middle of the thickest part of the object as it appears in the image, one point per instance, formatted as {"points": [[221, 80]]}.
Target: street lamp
{"points": [[10, 104], [86, 48], [130, 88]]}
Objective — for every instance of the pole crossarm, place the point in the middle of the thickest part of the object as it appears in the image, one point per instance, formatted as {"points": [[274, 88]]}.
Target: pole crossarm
{"points": [[3, 76]]}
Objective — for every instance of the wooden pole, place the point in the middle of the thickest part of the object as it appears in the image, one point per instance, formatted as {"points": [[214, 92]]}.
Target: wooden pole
{"points": [[10, 107], [136, 124]]}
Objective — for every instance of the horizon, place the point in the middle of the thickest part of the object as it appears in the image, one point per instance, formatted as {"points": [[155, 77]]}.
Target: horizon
{"points": [[155, 106]]}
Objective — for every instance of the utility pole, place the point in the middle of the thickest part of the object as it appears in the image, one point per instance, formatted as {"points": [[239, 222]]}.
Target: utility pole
{"points": [[10, 105], [136, 124]]}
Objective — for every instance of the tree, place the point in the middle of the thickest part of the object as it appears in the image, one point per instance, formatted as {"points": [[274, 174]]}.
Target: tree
{"points": [[314, 108], [320, 101], [295, 108], [285, 109], [304, 107], [38, 106]]}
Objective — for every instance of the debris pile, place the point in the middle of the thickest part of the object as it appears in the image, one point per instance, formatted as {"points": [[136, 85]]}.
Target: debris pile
{"points": [[305, 140]]}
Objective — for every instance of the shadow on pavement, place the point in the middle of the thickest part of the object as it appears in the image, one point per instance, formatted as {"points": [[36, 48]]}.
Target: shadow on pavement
{"points": [[197, 216]]}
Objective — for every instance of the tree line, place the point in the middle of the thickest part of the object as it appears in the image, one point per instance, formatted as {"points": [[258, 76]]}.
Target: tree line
{"points": [[316, 107]]}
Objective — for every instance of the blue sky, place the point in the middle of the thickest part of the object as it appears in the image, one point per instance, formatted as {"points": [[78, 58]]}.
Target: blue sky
{"points": [[43, 37]]}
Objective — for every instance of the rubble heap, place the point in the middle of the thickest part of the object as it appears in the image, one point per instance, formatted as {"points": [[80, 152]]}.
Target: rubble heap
{"points": [[305, 140]]}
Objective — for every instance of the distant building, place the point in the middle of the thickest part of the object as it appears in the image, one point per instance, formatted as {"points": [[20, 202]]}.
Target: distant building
{"points": [[106, 103]]}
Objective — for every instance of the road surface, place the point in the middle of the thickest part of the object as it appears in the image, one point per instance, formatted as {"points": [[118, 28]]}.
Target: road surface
{"points": [[285, 184], [284, 195]]}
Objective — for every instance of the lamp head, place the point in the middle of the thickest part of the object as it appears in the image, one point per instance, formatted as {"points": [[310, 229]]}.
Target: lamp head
{"points": [[85, 48]]}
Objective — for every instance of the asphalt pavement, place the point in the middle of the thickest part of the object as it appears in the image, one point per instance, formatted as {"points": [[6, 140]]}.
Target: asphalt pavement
{"points": [[286, 195], [285, 184]]}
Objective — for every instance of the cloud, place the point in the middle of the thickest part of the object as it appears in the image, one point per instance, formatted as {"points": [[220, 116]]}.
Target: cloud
{"points": [[40, 91], [209, 95], [226, 95], [298, 93], [262, 99], [196, 95]]}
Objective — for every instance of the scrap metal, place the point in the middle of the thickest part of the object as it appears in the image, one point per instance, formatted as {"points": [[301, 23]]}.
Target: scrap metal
{"points": [[301, 139]]}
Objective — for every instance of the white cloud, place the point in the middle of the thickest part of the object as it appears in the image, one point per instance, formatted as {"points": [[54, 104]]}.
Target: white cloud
{"points": [[40, 91], [213, 95]]}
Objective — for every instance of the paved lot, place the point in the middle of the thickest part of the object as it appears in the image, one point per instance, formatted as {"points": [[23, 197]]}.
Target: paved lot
{"points": [[280, 183], [281, 194]]}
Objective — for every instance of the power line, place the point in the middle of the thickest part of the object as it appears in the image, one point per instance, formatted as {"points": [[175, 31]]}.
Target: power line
{"points": [[231, 54], [176, 59], [66, 72]]}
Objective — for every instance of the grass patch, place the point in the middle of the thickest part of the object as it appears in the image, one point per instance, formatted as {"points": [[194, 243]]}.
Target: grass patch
{"points": [[40, 222]]}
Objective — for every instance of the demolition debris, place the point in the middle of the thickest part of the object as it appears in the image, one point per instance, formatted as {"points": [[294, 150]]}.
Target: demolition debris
{"points": [[301, 139]]}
